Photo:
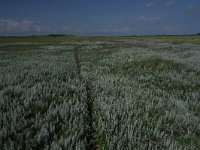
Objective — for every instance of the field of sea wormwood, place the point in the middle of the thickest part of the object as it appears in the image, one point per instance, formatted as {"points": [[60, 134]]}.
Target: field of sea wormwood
{"points": [[117, 94]]}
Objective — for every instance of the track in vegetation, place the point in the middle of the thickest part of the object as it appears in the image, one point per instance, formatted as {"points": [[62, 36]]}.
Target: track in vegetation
{"points": [[89, 131]]}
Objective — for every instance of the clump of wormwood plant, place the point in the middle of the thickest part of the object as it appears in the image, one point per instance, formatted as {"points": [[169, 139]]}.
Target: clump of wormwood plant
{"points": [[145, 104], [40, 103], [143, 99]]}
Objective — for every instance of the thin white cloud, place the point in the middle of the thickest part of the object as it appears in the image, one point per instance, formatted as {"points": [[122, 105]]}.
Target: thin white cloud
{"points": [[115, 29], [150, 3], [192, 8], [146, 20], [69, 29], [12, 26], [170, 3], [66, 28], [169, 29]]}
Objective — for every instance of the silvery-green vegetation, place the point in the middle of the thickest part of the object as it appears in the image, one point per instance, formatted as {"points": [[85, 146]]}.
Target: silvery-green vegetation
{"points": [[145, 95]]}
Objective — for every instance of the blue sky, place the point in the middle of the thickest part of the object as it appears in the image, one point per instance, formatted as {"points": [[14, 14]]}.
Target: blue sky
{"points": [[99, 17]]}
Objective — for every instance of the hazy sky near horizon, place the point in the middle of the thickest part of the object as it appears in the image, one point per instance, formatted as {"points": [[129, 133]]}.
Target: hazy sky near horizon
{"points": [[99, 17]]}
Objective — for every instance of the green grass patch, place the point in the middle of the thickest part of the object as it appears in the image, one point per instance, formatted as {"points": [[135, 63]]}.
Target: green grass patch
{"points": [[175, 39], [18, 48]]}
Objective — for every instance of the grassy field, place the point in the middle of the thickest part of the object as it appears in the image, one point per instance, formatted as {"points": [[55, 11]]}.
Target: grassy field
{"points": [[100, 93], [174, 39]]}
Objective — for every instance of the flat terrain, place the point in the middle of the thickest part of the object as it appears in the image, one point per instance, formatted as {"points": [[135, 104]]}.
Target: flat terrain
{"points": [[71, 92]]}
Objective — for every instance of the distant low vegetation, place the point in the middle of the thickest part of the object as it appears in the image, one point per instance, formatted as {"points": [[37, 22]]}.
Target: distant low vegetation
{"points": [[78, 93], [55, 35], [52, 38]]}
